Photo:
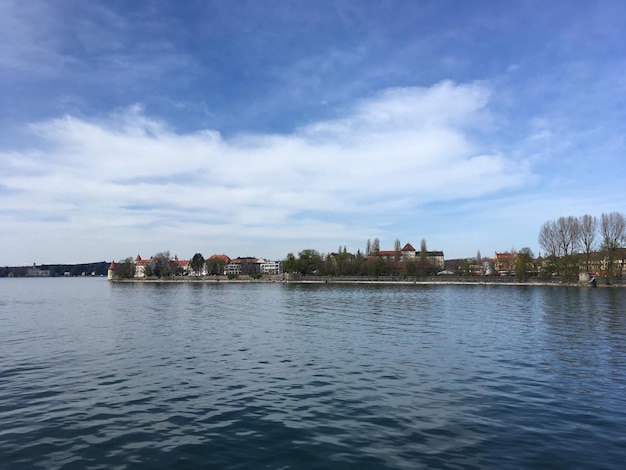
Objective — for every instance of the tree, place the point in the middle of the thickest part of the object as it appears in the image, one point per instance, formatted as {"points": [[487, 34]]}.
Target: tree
{"points": [[124, 269], [527, 252], [162, 264], [560, 240], [357, 263], [423, 264], [479, 259], [342, 264], [197, 263], [412, 268], [290, 263], [548, 239], [368, 247], [215, 265], [567, 234], [377, 267], [376, 246], [466, 268], [523, 263], [396, 248], [613, 233], [588, 229], [309, 261]]}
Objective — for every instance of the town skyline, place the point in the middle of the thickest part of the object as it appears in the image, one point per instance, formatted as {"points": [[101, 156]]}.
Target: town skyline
{"points": [[271, 127], [562, 237]]}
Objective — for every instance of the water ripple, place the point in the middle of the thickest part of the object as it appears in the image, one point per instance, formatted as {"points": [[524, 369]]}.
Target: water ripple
{"points": [[293, 376]]}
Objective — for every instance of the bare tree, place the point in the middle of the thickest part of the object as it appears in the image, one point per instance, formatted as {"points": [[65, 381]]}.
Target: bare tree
{"points": [[124, 269], [423, 257], [560, 240], [613, 233], [423, 249], [548, 238], [588, 230], [567, 230], [368, 247], [163, 265], [376, 245], [396, 249]]}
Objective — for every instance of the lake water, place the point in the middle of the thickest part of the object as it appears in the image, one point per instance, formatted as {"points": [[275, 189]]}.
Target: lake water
{"points": [[100, 375]]}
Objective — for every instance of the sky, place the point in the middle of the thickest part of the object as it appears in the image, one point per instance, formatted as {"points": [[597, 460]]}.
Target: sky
{"points": [[260, 128]]}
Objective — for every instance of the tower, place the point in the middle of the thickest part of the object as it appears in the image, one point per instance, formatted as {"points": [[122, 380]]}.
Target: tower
{"points": [[111, 271]]}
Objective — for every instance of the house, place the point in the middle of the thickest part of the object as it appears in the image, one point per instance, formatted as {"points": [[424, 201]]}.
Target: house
{"points": [[143, 267], [216, 264], [503, 262], [270, 267], [599, 263], [180, 266], [142, 264], [387, 255], [250, 265], [34, 271], [246, 265], [408, 253]]}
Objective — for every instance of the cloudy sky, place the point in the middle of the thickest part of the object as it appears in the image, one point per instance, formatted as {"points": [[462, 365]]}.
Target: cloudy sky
{"points": [[258, 128]]}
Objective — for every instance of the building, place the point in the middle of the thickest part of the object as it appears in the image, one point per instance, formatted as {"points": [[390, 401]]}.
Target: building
{"points": [[142, 264], [111, 271], [34, 271], [270, 267], [246, 265], [180, 266], [503, 262], [145, 267], [408, 253], [216, 264]]}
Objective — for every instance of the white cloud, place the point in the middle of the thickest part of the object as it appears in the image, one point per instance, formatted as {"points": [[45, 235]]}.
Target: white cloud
{"points": [[397, 150]]}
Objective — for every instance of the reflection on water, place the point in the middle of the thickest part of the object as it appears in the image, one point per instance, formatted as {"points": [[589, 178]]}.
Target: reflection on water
{"points": [[99, 375]]}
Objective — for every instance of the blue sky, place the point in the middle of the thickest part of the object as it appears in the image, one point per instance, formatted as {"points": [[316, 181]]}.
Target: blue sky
{"points": [[258, 128]]}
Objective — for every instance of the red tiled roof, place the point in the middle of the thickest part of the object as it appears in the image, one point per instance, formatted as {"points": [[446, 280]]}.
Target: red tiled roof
{"points": [[385, 253], [142, 262], [408, 247], [222, 257]]}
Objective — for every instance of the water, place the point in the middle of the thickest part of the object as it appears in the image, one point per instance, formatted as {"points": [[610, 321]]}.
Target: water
{"points": [[99, 375]]}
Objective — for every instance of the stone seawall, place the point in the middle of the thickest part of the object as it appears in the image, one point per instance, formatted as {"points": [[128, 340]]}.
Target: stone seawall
{"points": [[448, 280]]}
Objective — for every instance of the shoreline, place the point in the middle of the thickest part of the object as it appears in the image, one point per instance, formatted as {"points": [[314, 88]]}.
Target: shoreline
{"points": [[280, 279]]}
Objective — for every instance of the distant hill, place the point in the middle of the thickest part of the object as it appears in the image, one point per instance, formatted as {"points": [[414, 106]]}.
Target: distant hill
{"points": [[99, 268]]}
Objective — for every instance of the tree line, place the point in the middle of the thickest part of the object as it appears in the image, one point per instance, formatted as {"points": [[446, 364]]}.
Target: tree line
{"points": [[57, 270], [571, 242], [343, 263], [163, 265]]}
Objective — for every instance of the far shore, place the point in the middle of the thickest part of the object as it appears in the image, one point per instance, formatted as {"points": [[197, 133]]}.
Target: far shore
{"points": [[391, 280]]}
